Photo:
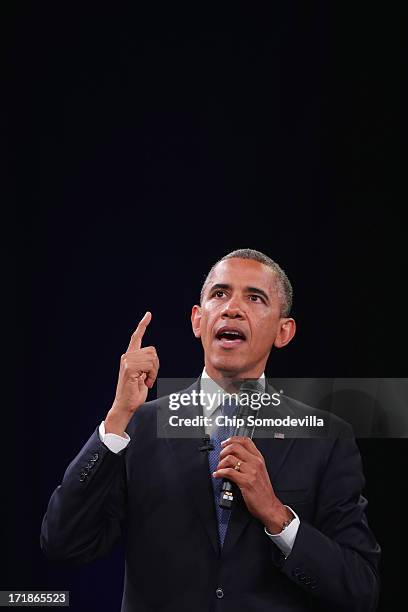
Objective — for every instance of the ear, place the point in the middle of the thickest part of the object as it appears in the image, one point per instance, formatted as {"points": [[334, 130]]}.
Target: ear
{"points": [[287, 329], [196, 320]]}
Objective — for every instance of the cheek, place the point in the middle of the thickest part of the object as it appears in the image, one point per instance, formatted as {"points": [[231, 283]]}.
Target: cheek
{"points": [[211, 306], [210, 312], [206, 322], [265, 332], [210, 316]]}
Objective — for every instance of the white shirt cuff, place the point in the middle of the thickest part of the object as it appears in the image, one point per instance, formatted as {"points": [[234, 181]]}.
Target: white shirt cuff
{"points": [[114, 442], [286, 538]]}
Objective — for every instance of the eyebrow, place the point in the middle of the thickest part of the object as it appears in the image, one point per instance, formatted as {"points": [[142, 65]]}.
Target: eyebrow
{"points": [[247, 289]]}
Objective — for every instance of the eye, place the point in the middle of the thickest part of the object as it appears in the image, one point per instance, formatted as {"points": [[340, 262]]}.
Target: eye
{"points": [[219, 293], [256, 298]]}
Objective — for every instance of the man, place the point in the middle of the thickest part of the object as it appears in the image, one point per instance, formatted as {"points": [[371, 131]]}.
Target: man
{"points": [[297, 537]]}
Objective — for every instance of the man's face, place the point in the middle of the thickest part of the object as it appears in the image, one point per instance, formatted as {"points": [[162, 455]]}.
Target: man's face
{"points": [[239, 319]]}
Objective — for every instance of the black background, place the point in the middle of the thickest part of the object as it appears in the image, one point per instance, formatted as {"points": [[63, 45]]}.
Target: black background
{"points": [[144, 145]]}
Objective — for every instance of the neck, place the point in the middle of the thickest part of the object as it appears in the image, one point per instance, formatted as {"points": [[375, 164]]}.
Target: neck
{"points": [[230, 380]]}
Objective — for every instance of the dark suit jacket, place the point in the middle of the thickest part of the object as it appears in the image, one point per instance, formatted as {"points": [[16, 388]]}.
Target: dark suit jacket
{"points": [[158, 491]]}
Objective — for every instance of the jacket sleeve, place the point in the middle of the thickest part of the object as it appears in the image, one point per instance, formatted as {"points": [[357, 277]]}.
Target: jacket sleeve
{"points": [[336, 559], [86, 511]]}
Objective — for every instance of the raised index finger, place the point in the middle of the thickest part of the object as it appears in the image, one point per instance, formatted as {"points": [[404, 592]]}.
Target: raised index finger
{"points": [[136, 339]]}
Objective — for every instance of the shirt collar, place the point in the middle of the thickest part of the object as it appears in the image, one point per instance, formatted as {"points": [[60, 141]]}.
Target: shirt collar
{"points": [[209, 386]]}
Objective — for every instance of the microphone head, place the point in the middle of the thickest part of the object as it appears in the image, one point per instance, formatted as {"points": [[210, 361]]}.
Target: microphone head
{"points": [[247, 389], [251, 385], [245, 408]]}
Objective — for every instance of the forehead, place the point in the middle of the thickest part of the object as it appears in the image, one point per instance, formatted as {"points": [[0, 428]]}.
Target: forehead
{"points": [[240, 273]]}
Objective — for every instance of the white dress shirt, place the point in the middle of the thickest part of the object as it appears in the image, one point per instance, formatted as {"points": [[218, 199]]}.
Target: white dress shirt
{"points": [[286, 538]]}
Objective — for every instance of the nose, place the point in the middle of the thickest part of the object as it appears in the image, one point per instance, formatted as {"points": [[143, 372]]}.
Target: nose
{"points": [[232, 310]]}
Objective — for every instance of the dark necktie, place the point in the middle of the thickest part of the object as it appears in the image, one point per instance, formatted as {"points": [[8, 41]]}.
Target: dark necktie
{"points": [[217, 436]]}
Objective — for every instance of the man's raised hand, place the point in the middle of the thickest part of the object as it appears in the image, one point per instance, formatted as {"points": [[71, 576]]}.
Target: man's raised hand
{"points": [[137, 374]]}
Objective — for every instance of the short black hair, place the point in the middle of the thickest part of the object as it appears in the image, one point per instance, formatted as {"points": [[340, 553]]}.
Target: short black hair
{"points": [[284, 285]]}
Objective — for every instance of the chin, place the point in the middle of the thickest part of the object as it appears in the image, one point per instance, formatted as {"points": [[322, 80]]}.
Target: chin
{"points": [[227, 365]]}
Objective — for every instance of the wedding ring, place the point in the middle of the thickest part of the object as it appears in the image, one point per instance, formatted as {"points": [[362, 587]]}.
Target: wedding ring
{"points": [[238, 466]]}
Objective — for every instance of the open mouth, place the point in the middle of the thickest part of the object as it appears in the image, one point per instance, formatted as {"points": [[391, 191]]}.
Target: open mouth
{"points": [[229, 337]]}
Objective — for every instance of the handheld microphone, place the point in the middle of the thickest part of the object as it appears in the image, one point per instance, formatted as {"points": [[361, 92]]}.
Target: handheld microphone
{"points": [[228, 488]]}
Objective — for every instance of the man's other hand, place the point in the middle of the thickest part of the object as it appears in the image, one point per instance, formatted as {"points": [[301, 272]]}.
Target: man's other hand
{"points": [[137, 374]]}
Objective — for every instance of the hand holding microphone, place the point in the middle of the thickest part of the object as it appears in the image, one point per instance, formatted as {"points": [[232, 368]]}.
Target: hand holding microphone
{"points": [[242, 464], [242, 429]]}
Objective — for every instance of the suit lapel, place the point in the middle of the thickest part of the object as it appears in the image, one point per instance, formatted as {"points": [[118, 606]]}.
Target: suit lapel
{"points": [[194, 469]]}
